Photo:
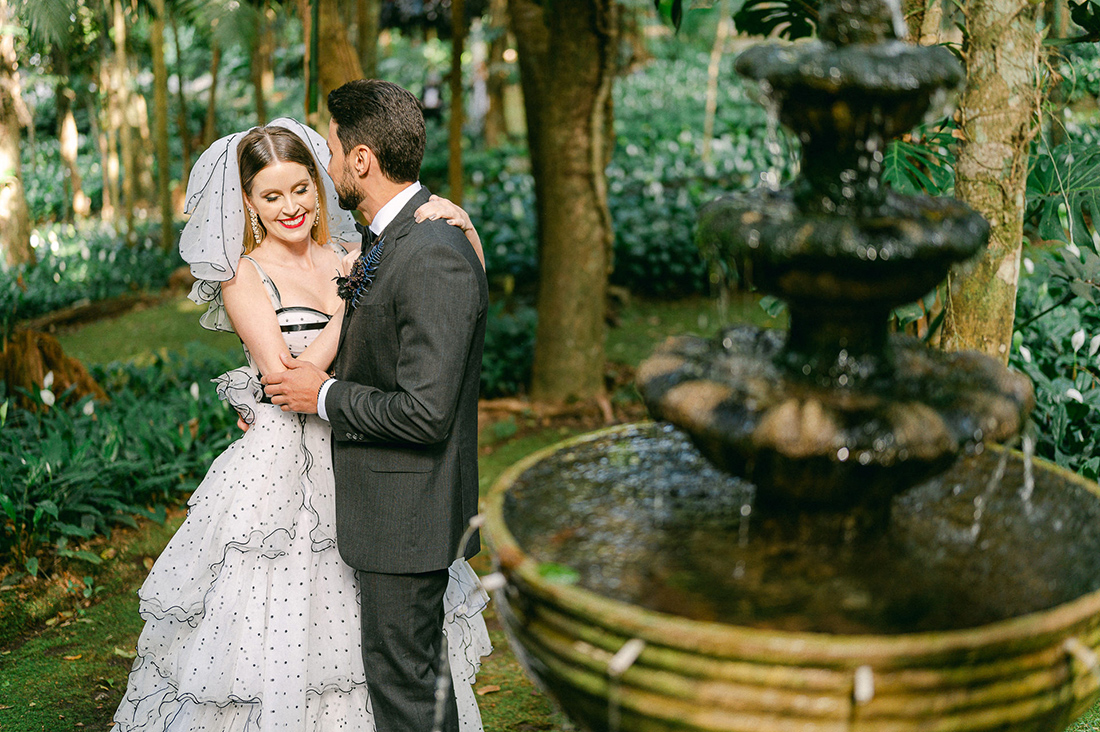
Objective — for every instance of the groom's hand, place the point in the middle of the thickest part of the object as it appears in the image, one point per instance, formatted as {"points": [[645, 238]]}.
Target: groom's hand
{"points": [[295, 390]]}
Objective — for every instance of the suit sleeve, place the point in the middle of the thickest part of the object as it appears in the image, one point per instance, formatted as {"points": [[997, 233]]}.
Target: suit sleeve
{"points": [[436, 313]]}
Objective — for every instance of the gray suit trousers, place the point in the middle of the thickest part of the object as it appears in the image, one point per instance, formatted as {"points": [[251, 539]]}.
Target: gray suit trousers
{"points": [[402, 638]]}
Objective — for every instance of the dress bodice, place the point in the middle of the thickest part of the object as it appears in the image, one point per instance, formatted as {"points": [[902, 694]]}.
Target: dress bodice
{"points": [[300, 325]]}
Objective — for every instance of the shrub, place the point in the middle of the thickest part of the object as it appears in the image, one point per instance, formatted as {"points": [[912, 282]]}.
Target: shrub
{"points": [[72, 473], [85, 264], [1057, 344], [509, 350]]}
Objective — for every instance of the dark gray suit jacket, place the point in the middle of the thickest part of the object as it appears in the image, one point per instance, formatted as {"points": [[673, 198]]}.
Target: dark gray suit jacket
{"points": [[404, 409]]}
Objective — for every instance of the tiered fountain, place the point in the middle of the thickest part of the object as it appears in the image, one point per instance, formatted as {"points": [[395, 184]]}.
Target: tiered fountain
{"points": [[826, 537]]}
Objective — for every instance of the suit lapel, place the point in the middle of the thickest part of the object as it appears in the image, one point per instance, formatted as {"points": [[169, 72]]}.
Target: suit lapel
{"points": [[392, 235]]}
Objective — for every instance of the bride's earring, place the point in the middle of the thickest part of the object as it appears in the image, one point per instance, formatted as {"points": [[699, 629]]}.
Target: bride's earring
{"points": [[316, 210], [255, 225]]}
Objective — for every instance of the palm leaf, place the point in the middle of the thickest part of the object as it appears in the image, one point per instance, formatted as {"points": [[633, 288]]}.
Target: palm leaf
{"points": [[48, 22]]}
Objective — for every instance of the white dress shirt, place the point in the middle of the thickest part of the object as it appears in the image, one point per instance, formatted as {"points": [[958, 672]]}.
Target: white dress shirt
{"points": [[378, 224]]}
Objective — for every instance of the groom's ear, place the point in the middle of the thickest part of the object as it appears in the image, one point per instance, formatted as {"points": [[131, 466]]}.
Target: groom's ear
{"points": [[362, 159]]}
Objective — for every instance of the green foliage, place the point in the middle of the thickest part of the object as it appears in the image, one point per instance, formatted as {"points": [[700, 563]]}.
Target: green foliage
{"points": [[1057, 345], [509, 350], [923, 163], [1063, 191], [656, 179], [791, 18], [68, 474], [82, 265]]}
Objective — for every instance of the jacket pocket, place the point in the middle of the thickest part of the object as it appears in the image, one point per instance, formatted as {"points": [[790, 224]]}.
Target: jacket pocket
{"points": [[398, 460]]}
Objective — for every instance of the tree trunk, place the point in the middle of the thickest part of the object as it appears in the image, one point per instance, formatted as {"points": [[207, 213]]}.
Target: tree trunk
{"points": [[26, 358], [139, 125], [120, 121], [716, 51], [914, 11], [495, 125], [997, 113], [210, 125], [108, 150], [454, 137], [184, 129], [567, 65], [339, 63], [369, 19], [931, 28], [263, 77], [15, 225], [69, 137], [1057, 23], [160, 124]]}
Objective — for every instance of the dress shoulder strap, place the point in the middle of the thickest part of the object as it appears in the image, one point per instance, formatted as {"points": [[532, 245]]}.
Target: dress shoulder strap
{"points": [[272, 290]]}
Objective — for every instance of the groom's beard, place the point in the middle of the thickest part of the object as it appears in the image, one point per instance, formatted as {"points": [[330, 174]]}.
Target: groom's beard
{"points": [[347, 193]]}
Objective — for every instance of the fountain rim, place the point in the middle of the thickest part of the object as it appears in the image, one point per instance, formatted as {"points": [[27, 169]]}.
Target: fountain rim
{"points": [[773, 646]]}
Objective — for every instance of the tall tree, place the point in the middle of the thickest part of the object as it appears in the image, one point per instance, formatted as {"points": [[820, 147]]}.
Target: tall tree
{"points": [[339, 63], [210, 125], [567, 64], [997, 118], [120, 115], [262, 47], [160, 124], [496, 74], [457, 116], [369, 22], [15, 229], [69, 136], [183, 128]]}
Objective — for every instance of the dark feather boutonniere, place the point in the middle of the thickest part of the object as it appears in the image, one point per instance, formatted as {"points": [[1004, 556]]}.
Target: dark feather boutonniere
{"points": [[357, 284]]}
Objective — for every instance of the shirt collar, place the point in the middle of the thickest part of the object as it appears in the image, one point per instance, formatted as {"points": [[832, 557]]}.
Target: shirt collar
{"points": [[389, 212]]}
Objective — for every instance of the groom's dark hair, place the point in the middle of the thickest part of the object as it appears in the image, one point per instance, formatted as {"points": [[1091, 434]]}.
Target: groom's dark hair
{"points": [[384, 117]]}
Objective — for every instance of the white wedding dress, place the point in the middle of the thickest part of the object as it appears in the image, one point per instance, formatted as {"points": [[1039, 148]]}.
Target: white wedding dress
{"points": [[252, 618]]}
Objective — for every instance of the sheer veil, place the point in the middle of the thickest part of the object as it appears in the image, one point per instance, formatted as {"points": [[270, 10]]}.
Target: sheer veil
{"points": [[213, 239]]}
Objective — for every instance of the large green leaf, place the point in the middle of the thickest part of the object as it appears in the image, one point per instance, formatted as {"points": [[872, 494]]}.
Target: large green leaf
{"points": [[924, 165], [789, 18], [1063, 192]]}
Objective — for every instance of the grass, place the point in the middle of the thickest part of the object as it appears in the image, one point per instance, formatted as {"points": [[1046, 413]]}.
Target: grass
{"points": [[165, 326]]}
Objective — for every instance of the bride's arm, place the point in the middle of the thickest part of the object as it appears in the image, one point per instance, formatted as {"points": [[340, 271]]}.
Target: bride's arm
{"points": [[322, 352], [253, 317], [443, 208]]}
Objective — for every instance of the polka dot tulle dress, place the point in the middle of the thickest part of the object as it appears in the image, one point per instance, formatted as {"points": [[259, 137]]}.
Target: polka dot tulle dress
{"points": [[252, 618]]}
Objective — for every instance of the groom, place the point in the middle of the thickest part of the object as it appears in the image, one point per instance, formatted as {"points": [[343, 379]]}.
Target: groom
{"points": [[403, 405]]}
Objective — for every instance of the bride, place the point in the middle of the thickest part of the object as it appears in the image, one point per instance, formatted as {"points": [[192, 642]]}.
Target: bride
{"points": [[252, 619]]}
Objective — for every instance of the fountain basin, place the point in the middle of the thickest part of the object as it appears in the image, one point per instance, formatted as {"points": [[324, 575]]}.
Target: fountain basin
{"points": [[1008, 645]]}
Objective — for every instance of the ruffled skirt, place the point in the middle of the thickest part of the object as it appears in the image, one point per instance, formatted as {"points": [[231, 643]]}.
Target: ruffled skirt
{"points": [[252, 618]]}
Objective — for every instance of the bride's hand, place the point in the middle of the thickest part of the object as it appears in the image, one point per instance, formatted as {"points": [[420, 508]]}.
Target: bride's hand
{"points": [[442, 208], [347, 262]]}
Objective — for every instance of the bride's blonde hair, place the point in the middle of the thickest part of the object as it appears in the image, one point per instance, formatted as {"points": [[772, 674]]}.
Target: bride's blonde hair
{"points": [[264, 146]]}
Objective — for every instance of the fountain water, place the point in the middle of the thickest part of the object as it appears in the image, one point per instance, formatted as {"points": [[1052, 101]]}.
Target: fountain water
{"points": [[902, 572]]}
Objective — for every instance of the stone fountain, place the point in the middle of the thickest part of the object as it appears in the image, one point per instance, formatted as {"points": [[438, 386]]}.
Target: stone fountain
{"points": [[822, 534]]}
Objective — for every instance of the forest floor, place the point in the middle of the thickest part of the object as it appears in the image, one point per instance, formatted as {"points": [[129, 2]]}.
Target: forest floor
{"points": [[66, 668]]}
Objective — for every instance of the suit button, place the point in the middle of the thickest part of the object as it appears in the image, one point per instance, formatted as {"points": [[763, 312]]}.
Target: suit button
{"points": [[349, 436]]}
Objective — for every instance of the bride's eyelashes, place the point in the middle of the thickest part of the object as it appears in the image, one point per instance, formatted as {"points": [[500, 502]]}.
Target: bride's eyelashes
{"points": [[272, 198]]}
